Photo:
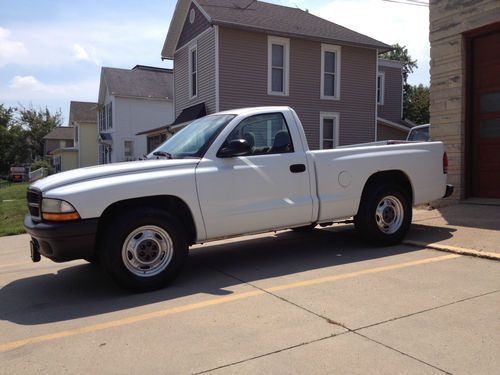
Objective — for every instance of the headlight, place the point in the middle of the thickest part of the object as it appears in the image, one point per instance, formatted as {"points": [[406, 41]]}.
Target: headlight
{"points": [[58, 210]]}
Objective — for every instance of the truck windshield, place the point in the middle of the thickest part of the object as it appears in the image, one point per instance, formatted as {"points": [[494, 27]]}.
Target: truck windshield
{"points": [[193, 140]]}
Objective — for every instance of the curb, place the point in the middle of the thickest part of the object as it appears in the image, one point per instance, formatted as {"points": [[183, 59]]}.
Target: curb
{"points": [[454, 249]]}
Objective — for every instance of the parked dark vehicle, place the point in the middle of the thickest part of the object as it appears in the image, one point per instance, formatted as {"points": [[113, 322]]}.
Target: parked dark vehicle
{"points": [[419, 133], [17, 174]]}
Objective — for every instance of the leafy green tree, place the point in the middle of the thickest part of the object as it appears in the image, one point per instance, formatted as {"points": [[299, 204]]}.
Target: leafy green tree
{"points": [[21, 134], [38, 123], [6, 138], [417, 104], [400, 53]]}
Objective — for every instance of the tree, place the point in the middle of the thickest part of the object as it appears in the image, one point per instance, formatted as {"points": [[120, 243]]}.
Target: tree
{"points": [[21, 134], [7, 138], [6, 115], [38, 123], [400, 53], [417, 104]]}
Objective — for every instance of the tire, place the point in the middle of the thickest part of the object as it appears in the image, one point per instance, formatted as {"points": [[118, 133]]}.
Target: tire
{"points": [[384, 216], [144, 249]]}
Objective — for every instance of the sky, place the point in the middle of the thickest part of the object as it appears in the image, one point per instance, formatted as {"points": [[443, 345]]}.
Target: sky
{"points": [[52, 51]]}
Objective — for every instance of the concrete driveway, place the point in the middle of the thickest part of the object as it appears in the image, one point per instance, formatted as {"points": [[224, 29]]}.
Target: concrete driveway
{"points": [[320, 302]]}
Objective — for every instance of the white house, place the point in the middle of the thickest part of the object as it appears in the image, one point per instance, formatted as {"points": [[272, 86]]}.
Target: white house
{"points": [[131, 101]]}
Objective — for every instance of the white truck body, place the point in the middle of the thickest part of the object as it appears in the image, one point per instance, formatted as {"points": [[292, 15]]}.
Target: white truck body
{"points": [[231, 196]]}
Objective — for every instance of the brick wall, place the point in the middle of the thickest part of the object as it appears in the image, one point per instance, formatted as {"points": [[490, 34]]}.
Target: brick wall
{"points": [[449, 19]]}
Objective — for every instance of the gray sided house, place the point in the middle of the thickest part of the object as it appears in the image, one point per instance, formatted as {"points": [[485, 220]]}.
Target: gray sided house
{"points": [[130, 102], [231, 54], [391, 124]]}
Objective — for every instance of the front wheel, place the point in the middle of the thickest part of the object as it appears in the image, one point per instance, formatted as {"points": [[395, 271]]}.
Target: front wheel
{"points": [[384, 215], [144, 249]]}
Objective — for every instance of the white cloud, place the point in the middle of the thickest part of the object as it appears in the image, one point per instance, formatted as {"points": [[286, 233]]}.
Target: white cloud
{"points": [[388, 22], [28, 83], [85, 54], [80, 53], [29, 88], [109, 43], [11, 51]]}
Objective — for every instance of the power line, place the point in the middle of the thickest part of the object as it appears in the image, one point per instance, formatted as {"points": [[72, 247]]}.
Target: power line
{"points": [[409, 2]]}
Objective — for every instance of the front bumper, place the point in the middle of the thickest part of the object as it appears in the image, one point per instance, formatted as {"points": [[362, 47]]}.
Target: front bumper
{"points": [[449, 190], [66, 241]]}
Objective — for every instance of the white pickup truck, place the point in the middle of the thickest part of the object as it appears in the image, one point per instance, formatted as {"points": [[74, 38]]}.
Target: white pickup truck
{"points": [[227, 174]]}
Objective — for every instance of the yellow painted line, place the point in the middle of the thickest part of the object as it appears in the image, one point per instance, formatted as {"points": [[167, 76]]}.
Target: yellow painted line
{"points": [[454, 249], [212, 302]]}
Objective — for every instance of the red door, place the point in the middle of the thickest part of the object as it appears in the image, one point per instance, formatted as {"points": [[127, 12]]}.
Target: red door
{"points": [[486, 116]]}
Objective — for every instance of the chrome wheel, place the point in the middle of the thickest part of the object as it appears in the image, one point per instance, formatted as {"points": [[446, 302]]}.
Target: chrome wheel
{"points": [[147, 251], [389, 214]]}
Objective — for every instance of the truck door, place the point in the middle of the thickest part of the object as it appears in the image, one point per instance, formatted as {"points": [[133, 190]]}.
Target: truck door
{"points": [[268, 188]]}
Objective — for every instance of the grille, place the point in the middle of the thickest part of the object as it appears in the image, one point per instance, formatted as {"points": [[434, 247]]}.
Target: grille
{"points": [[34, 200]]}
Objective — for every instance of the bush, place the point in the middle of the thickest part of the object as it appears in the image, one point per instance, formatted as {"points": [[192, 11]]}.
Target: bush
{"points": [[40, 164]]}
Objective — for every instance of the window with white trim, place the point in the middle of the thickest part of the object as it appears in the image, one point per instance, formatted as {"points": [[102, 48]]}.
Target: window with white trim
{"points": [[278, 65], [128, 150], [330, 72], [380, 87], [329, 130], [193, 71]]}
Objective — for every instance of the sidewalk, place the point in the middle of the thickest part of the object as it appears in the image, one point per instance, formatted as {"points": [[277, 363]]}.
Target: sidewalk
{"points": [[463, 226]]}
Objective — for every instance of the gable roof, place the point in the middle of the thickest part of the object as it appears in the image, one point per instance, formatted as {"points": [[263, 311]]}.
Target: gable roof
{"points": [[82, 112], [140, 82], [60, 132], [265, 17]]}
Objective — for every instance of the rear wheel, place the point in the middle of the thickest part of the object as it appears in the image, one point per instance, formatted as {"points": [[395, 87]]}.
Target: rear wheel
{"points": [[384, 215], [144, 249]]}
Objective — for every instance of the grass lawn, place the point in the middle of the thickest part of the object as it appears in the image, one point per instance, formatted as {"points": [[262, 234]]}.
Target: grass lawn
{"points": [[13, 207]]}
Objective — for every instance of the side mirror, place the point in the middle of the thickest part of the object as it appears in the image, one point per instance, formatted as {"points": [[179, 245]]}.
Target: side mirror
{"points": [[235, 147]]}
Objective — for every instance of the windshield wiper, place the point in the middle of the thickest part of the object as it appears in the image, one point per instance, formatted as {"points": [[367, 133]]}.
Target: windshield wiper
{"points": [[163, 153]]}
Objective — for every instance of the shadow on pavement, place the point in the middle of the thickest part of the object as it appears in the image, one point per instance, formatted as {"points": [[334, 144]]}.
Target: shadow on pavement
{"points": [[85, 291], [472, 215], [429, 233]]}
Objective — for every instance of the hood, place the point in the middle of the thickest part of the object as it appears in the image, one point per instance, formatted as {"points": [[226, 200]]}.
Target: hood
{"points": [[107, 170]]}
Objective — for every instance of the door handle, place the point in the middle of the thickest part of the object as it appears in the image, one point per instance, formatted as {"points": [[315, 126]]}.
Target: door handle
{"points": [[297, 168]]}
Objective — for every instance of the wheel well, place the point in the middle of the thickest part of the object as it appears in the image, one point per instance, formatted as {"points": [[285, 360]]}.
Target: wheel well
{"points": [[394, 177], [168, 203]]}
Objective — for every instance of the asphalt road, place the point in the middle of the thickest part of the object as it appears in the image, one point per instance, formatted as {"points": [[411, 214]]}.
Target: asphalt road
{"points": [[286, 303]]}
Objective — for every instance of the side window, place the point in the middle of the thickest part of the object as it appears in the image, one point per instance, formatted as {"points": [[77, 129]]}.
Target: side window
{"points": [[329, 130], [266, 134]]}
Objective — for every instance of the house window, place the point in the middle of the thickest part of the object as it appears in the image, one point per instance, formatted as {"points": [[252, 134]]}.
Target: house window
{"points": [[156, 140], [110, 115], [76, 134], [278, 65], [380, 87], [101, 120], [193, 72], [330, 72], [128, 149], [329, 130]]}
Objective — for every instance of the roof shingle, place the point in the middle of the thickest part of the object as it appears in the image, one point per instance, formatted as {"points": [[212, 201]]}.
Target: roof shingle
{"points": [[279, 20], [82, 112], [139, 82], [60, 132]]}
